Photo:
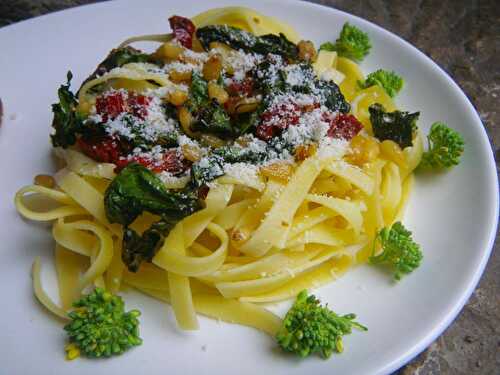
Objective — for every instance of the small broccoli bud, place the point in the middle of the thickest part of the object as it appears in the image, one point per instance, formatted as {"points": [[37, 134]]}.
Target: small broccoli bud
{"points": [[388, 80], [399, 251], [445, 148], [311, 328], [352, 43], [100, 327]]}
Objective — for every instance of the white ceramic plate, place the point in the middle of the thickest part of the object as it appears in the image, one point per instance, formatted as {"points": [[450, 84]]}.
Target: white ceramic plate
{"points": [[453, 215]]}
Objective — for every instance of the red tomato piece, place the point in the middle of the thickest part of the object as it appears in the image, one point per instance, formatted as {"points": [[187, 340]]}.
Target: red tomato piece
{"points": [[183, 30], [104, 150], [343, 126]]}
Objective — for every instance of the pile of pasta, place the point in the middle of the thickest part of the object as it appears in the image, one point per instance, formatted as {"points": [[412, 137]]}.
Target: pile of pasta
{"points": [[255, 242]]}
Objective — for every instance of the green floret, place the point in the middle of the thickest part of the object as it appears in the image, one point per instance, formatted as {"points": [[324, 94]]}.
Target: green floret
{"points": [[352, 43], [445, 147], [399, 251], [388, 80], [310, 328], [100, 327]]}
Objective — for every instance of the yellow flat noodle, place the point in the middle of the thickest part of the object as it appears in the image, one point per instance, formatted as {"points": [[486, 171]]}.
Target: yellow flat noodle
{"points": [[73, 239], [160, 38], [229, 310], [266, 266], [86, 196], [131, 85], [303, 208], [390, 190], [217, 199], [351, 211], [233, 311], [246, 19], [194, 266], [152, 277], [349, 86], [105, 253], [254, 215], [309, 220], [230, 215], [240, 259], [180, 290], [236, 289], [40, 294], [69, 267], [200, 250], [100, 184], [324, 60], [99, 280], [83, 165], [373, 216], [241, 192], [251, 182], [331, 185], [413, 155], [114, 273], [148, 276], [280, 216], [405, 196], [69, 209], [132, 71], [352, 174], [323, 274], [321, 233], [365, 98]]}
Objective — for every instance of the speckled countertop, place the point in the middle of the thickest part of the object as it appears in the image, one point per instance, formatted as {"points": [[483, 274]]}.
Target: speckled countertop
{"points": [[463, 37]]}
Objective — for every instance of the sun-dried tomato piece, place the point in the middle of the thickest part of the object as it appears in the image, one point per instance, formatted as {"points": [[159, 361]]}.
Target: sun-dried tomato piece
{"points": [[242, 88], [111, 105], [183, 30], [102, 149], [278, 118], [343, 125], [138, 105]]}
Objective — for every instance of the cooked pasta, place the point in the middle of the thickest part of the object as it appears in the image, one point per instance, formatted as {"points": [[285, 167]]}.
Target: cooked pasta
{"points": [[251, 192]]}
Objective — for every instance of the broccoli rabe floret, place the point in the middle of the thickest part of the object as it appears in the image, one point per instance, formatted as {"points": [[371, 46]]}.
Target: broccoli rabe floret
{"points": [[352, 43], [445, 147], [100, 327], [399, 251], [310, 328], [388, 80]]}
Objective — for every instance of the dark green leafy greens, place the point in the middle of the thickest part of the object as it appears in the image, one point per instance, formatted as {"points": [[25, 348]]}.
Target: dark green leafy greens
{"points": [[333, 98], [117, 58], [309, 328], [399, 251], [206, 170], [397, 126], [136, 190], [67, 121], [248, 42], [445, 148], [272, 82], [211, 167], [142, 248], [388, 80], [352, 43], [209, 116]]}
